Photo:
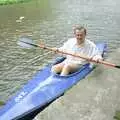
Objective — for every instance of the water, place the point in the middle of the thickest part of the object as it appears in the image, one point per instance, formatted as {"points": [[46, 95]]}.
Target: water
{"points": [[51, 22]]}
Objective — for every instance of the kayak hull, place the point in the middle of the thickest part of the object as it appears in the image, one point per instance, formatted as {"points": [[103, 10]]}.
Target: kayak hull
{"points": [[43, 89]]}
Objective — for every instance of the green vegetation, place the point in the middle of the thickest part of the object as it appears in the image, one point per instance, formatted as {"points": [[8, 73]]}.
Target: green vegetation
{"points": [[117, 115], [4, 2], [2, 103]]}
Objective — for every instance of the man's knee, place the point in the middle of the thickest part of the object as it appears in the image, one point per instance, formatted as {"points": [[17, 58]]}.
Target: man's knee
{"points": [[56, 69], [72, 67], [67, 68]]}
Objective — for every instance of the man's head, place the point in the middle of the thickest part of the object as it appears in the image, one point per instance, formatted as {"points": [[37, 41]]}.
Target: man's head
{"points": [[80, 34]]}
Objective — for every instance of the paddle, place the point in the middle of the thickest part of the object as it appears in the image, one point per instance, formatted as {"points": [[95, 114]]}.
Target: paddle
{"points": [[28, 43]]}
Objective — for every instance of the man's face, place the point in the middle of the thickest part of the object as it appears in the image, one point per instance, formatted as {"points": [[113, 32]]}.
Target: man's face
{"points": [[80, 36]]}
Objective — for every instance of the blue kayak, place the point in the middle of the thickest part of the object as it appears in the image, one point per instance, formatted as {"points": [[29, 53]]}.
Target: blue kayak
{"points": [[43, 89]]}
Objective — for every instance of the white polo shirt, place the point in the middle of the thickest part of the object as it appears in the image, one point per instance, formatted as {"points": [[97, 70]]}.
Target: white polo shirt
{"points": [[87, 49]]}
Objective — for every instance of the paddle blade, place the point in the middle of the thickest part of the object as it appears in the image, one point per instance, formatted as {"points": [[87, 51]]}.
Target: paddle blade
{"points": [[26, 42], [117, 66]]}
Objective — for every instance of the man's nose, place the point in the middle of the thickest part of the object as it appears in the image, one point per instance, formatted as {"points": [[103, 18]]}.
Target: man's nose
{"points": [[79, 37]]}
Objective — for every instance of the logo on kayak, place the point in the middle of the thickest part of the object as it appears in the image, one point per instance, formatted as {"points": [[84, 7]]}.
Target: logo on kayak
{"points": [[20, 96]]}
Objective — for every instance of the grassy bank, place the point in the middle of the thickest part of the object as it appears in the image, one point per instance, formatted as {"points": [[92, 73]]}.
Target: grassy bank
{"points": [[117, 115], [4, 2]]}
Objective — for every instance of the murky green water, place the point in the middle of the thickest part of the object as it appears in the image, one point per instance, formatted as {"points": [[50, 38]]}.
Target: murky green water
{"points": [[51, 21]]}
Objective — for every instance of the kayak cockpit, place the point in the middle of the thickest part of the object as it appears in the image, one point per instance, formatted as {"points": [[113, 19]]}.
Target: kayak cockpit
{"points": [[61, 59]]}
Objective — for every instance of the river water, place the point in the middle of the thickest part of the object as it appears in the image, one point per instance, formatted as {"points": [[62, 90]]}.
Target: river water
{"points": [[51, 22]]}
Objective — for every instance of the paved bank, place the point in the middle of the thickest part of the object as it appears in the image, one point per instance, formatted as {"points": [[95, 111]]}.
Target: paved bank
{"points": [[94, 98]]}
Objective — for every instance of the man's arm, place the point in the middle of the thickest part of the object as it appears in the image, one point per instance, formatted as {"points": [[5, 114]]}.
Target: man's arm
{"points": [[96, 54]]}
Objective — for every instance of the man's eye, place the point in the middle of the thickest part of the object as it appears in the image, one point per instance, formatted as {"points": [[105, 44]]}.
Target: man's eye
{"points": [[79, 35]]}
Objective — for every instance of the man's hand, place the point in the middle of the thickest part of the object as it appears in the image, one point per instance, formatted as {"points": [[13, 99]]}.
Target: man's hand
{"points": [[55, 49], [97, 58]]}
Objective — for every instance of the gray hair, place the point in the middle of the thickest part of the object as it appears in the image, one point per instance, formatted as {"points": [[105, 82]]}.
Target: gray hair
{"points": [[80, 28]]}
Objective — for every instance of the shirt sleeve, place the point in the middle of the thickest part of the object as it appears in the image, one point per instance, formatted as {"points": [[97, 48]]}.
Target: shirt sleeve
{"points": [[66, 46], [95, 53]]}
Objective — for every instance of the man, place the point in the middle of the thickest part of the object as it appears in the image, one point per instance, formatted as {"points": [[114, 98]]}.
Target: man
{"points": [[78, 45]]}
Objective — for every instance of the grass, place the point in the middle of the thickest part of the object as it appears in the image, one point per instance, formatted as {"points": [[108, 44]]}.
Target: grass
{"points": [[117, 115], [2, 103], [4, 2]]}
